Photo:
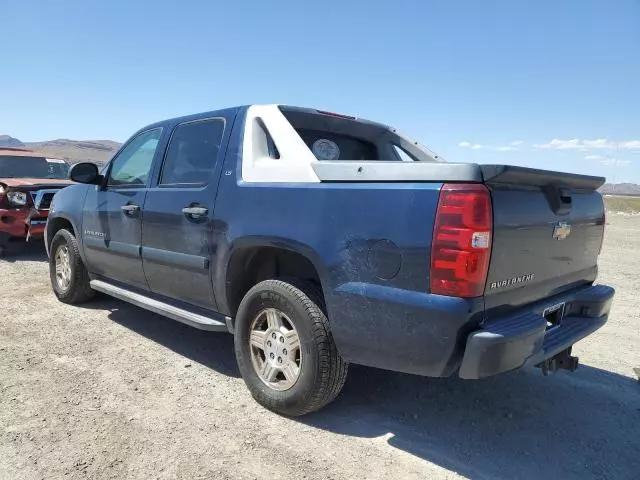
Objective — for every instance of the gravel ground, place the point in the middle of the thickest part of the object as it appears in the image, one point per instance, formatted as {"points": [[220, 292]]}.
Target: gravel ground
{"points": [[111, 391]]}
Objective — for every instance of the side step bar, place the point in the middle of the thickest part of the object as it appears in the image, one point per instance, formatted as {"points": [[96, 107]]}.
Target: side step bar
{"points": [[156, 306]]}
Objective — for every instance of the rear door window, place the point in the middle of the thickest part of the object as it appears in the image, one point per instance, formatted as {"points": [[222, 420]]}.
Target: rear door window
{"points": [[192, 153]]}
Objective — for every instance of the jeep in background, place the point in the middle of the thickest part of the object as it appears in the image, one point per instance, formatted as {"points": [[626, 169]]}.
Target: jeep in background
{"points": [[28, 182], [320, 239]]}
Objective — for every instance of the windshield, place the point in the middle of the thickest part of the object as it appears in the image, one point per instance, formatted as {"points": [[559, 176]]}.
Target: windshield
{"points": [[32, 167]]}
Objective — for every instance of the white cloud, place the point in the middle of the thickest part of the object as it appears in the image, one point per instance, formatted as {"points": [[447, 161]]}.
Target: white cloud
{"points": [[630, 145], [516, 143], [557, 144], [615, 162], [608, 161], [599, 143], [584, 145], [495, 148]]}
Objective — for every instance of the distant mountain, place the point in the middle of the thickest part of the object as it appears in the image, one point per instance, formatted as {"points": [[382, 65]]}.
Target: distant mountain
{"points": [[620, 189], [97, 151], [7, 141]]}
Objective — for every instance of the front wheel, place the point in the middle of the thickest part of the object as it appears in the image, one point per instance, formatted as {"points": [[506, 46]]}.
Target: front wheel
{"points": [[285, 350], [69, 276]]}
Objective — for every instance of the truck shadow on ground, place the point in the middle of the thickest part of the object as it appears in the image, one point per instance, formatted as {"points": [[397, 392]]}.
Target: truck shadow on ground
{"points": [[24, 252], [519, 425], [211, 349]]}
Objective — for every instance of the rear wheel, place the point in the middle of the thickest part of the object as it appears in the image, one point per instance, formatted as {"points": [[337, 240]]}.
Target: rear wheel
{"points": [[69, 277], [284, 348]]}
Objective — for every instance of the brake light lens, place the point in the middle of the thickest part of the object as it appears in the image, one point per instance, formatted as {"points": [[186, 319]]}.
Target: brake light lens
{"points": [[338, 115], [461, 246]]}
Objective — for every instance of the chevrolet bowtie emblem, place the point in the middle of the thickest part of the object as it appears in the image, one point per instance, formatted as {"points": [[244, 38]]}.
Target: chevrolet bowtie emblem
{"points": [[561, 230]]}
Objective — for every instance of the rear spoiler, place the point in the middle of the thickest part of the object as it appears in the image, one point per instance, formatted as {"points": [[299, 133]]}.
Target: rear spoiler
{"points": [[511, 175], [388, 171]]}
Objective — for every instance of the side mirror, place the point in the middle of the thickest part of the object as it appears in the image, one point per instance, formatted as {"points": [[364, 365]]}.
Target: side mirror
{"points": [[85, 172]]}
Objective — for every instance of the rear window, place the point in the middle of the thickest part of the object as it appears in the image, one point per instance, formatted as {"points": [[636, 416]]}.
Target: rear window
{"points": [[333, 146], [332, 137]]}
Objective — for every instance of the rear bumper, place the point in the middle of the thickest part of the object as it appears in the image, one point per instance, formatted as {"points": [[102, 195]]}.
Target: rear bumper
{"points": [[22, 223], [436, 336], [402, 330], [523, 338]]}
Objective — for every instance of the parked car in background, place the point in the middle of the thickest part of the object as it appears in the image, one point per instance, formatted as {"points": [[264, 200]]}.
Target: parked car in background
{"points": [[28, 182], [320, 239]]}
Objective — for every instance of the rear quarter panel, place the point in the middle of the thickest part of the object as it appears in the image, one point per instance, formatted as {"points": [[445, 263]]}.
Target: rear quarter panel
{"points": [[370, 244], [379, 234]]}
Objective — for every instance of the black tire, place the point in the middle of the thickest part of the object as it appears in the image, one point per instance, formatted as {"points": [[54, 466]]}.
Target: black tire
{"points": [[322, 371], [78, 290]]}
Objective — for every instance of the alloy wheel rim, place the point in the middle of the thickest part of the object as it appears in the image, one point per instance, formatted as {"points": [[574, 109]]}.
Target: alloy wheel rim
{"points": [[276, 355], [63, 267]]}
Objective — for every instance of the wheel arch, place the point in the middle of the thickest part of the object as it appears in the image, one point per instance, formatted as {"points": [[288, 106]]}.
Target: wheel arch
{"points": [[54, 225], [253, 259]]}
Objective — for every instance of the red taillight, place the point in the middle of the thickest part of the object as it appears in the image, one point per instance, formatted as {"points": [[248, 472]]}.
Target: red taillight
{"points": [[461, 244]]}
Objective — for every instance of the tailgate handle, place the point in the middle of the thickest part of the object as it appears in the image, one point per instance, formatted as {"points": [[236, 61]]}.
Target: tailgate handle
{"points": [[559, 199], [564, 196], [565, 203]]}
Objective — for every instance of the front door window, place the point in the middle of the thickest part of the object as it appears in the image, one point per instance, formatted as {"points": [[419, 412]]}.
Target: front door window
{"points": [[132, 165]]}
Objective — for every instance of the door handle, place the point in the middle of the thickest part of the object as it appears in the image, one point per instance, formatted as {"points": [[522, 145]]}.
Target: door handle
{"points": [[130, 208], [195, 212]]}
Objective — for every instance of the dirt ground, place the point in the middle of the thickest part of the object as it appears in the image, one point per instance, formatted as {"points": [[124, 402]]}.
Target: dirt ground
{"points": [[111, 391]]}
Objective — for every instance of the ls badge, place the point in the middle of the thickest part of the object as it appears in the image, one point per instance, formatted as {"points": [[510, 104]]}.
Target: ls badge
{"points": [[561, 230]]}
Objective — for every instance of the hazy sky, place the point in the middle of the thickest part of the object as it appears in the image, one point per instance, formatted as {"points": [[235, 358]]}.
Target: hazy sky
{"points": [[552, 84]]}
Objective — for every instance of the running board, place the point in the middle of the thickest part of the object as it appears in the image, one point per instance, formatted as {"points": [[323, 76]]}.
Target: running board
{"points": [[164, 309]]}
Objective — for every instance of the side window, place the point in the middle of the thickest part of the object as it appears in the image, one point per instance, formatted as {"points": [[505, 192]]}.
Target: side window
{"points": [[193, 152], [132, 165]]}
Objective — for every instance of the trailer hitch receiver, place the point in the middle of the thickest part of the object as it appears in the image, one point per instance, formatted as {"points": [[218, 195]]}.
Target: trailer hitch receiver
{"points": [[562, 361]]}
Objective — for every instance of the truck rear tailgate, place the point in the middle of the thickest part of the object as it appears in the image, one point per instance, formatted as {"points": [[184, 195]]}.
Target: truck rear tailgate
{"points": [[548, 231]]}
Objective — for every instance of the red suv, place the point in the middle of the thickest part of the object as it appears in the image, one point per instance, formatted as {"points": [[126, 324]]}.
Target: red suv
{"points": [[28, 182]]}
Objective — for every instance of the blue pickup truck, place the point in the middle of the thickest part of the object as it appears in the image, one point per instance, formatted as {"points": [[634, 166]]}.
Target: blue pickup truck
{"points": [[320, 239]]}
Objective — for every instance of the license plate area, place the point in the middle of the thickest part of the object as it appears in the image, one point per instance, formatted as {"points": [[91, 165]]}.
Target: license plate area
{"points": [[553, 315]]}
